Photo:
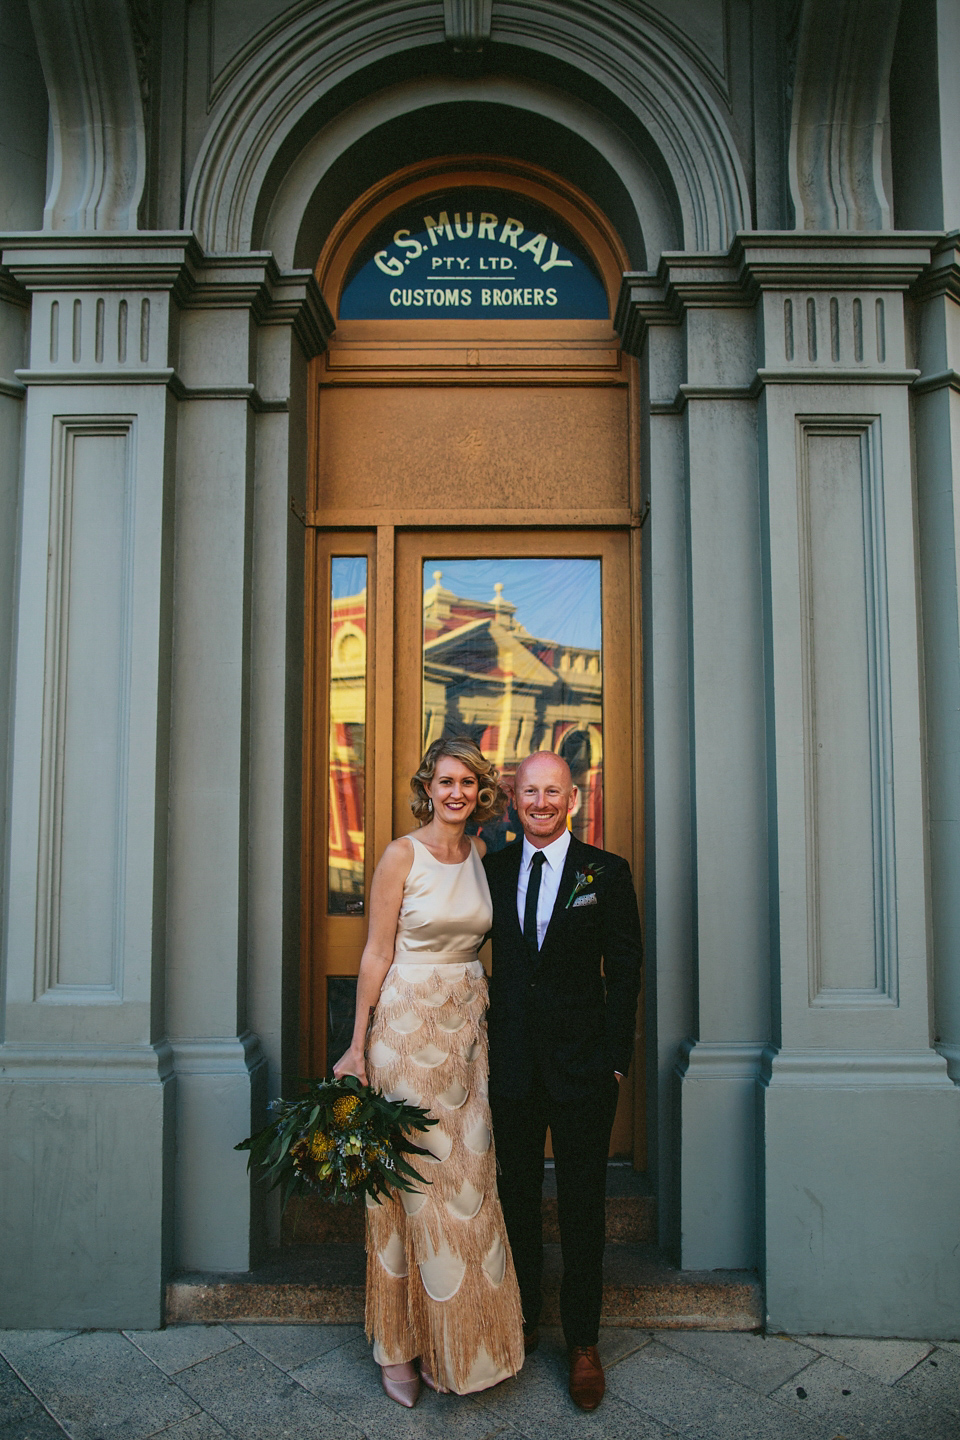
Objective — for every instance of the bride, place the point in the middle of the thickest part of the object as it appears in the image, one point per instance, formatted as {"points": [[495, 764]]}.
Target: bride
{"points": [[441, 1288]]}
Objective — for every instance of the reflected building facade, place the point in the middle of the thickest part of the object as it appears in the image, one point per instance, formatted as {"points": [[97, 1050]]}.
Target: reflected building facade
{"points": [[486, 676], [348, 748]]}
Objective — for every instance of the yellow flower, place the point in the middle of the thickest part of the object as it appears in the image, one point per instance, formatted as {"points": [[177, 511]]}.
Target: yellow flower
{"points": [[343, 1109], [320, 1145]]}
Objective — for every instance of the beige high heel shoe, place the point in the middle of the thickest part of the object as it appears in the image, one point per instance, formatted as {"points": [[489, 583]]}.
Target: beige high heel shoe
{"points": [[426, 1375], [403, 1387]]}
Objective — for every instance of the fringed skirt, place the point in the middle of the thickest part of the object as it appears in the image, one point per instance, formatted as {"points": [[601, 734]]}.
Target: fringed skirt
{"points": [[440, 1277]]}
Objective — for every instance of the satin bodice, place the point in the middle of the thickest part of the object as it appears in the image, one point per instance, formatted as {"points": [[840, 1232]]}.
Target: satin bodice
{"points": [[446, 909]]}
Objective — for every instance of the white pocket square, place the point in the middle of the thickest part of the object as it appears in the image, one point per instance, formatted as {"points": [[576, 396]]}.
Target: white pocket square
{"points": [[584, 900]]}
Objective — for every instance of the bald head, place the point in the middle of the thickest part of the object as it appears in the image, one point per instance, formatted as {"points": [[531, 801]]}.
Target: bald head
{"points": [[544, 795], [545, 762]]}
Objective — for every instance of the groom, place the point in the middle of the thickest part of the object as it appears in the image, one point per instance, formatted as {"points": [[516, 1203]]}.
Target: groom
{"points": [[563, 1000]]}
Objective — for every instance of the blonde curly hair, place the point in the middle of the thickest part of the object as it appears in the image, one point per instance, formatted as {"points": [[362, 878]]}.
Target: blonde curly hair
{"points": [[491, 798]]}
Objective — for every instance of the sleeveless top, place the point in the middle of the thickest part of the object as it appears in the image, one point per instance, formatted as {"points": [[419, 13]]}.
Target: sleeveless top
{"points": [[446, 910]]}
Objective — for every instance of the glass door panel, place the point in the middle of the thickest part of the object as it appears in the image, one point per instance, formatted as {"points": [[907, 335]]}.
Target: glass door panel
{"points": [[522, 640], [346, 888], [512, 652], [337, 862]]}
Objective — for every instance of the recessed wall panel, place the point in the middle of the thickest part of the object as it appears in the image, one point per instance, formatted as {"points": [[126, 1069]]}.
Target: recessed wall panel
{"points": [[85, 712], [850, 871]]}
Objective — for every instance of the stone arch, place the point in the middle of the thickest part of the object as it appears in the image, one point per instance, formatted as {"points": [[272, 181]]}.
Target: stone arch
{"points": [[295, 64], [294, 230]]}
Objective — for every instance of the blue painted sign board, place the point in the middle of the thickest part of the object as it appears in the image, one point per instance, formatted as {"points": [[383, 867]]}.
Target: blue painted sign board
{"points": [[468, 254]]}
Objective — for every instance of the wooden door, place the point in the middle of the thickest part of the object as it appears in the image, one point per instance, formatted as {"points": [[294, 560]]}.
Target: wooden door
{"points": [[464, 660], [449, 458]]}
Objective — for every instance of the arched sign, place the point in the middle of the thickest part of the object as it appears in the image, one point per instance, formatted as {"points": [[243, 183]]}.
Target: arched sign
{"points": [[473, 253]]}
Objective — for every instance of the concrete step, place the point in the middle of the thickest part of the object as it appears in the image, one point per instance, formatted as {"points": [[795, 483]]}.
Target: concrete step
{"points": [[631, 1213], [312, 1284]]}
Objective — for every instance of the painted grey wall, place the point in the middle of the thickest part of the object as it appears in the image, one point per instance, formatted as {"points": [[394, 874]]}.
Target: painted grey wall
{"points": [[831, 961], [793, 761], [925, 113]]}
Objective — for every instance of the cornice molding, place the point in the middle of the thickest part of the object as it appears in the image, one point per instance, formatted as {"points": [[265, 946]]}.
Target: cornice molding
{"points": [[833, 259], [681, 282], [939, 380], [296, 300], [86, 1064], [853, 1069], [834, 375], [133, 375], [943, 275], [246, 394], [170, 261], [11, 290], [721, 1060], [216, 1055], [778, 260], [951, 1054], [141, 259]]}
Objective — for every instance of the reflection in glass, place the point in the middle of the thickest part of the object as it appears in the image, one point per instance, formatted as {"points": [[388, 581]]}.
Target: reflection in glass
{"points": [[348, 708], [341, 1005], [490, 672]]}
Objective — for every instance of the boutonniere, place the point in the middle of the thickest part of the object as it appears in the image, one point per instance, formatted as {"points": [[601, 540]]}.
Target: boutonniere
{"points": [[584, 881]]}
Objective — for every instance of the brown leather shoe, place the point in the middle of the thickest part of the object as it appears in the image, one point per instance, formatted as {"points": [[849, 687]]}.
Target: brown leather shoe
{"points": [[586, 1377], [531, 1339]]}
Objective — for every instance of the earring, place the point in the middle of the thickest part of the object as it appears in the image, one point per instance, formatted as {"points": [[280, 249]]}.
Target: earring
{"points": [[429, 804]]}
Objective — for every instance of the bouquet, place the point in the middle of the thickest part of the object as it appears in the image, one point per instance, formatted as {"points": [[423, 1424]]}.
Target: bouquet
{"points": [[340, 1140]]}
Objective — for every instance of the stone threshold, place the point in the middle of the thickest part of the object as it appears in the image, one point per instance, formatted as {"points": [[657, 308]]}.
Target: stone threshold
{"points": [[324, 1284]]}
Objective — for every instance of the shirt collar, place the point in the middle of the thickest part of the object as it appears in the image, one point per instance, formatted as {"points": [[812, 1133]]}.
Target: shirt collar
{"points": [[554, 854]]}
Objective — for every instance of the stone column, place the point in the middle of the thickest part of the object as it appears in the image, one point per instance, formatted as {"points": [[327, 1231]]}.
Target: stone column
{"points": [[649, 329], [707, 923], [859, 1121], [14, 321], [153, 934], [936, 313], [237, 655], [86, 1090]]}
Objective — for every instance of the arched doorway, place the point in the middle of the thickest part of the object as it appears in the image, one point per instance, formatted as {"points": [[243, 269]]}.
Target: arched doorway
{"points": [[472, 557]]}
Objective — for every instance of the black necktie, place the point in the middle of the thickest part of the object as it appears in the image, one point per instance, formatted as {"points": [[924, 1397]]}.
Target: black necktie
{"points": [[530, 904]]}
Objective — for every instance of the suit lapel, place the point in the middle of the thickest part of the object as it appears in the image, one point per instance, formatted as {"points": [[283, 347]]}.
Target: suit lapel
{"points": [[508, 887]]}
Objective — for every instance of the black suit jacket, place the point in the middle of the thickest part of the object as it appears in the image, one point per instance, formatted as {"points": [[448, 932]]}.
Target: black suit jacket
{"points": [[567, 1016]]}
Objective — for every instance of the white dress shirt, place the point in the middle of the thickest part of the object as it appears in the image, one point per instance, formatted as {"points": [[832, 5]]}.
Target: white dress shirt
{"points": [[554, 855]]}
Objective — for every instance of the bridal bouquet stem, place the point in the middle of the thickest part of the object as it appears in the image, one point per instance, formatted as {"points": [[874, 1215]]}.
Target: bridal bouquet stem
{"points": [[339, 1140]]}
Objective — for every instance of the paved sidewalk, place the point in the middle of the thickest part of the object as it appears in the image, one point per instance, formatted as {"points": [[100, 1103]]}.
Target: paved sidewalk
{"points": [[269, 1382]]}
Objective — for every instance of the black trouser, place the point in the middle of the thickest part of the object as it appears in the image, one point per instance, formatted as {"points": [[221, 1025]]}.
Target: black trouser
{"points": [[581, 1140]]}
